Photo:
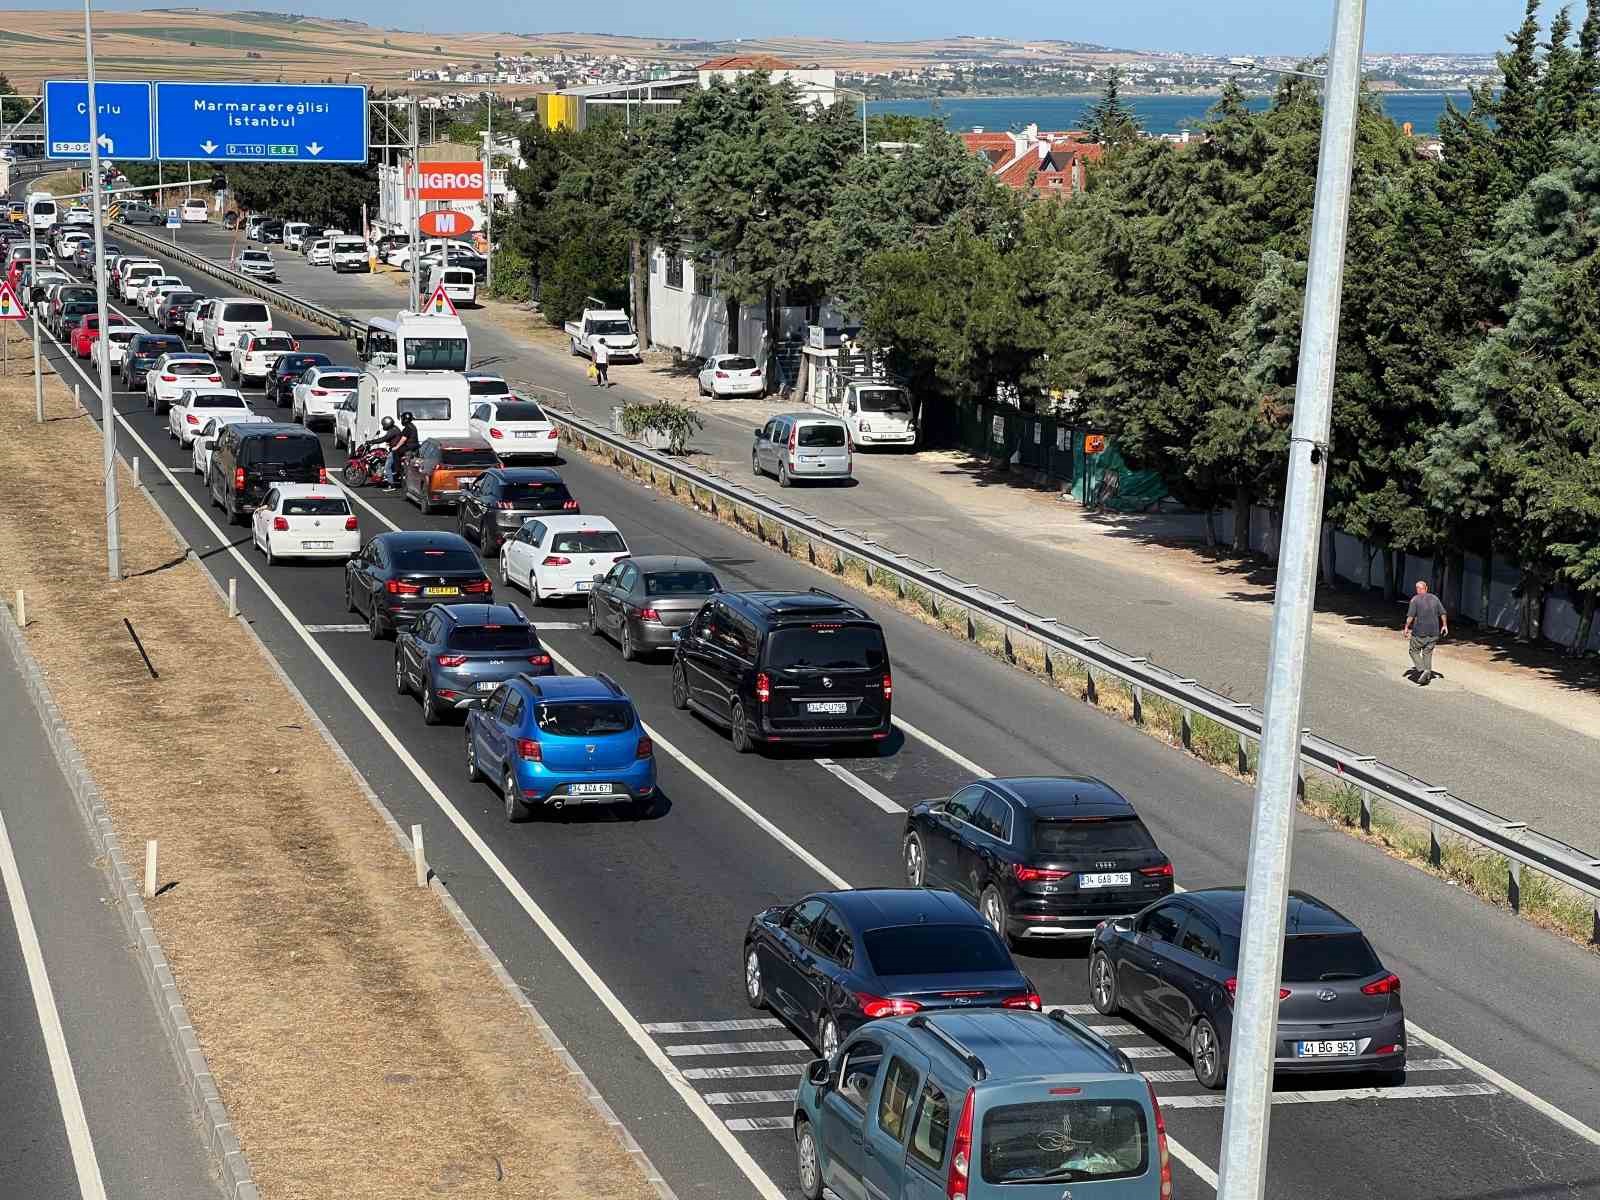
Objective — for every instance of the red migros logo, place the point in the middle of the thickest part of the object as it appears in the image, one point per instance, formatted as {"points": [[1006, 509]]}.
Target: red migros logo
{"points": [[451, 181]]}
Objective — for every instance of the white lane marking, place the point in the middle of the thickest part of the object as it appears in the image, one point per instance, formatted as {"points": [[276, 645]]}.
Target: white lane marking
{"points": [[1510, 1087], [708, 1049], [1147, 1052], [1434, 1091], [756, 1124], [1111, 1031], [856, 784], [955, 756], [712, 1026], [713, 1125], [751, 1071], [84, 1162], [779, 1097], [1076, 1010]]}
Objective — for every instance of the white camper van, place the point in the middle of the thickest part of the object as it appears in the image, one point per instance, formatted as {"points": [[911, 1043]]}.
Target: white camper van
{"points": [[416, 342], [438, 400]]}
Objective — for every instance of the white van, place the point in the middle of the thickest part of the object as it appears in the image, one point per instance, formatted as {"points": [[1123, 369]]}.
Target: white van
{"points": [[294, 234], [231, 317], [194, 211], [350, 254], [439, 401], [42, 210], [460, 284]]}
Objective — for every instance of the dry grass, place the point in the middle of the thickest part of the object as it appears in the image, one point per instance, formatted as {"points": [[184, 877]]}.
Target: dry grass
{"points": [[1484, 873], [363, 1048]]}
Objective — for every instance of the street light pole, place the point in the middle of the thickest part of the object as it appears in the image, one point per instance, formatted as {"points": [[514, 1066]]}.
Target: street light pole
{"points": [[488, 198], [1246, 1115], [38, 375], [415, 201], [108, 416]]}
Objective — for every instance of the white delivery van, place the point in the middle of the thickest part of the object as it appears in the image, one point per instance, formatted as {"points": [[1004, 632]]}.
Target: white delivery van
{"points": [[460, 283], [231, 317], [42, 210], [350, 254], [294, 234], [439, 402]]}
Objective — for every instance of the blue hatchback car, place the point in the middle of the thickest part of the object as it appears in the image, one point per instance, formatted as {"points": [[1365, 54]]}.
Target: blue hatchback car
{"points": [[562, 741]]}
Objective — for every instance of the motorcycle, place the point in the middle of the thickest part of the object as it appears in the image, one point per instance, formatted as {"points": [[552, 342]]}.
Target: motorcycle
{"points": [[365, 467]]}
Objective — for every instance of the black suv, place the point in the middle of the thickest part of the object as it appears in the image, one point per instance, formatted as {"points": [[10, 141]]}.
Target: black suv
{"points": [[785, 667], [1040, 858], [249, 459], [492, 509]]}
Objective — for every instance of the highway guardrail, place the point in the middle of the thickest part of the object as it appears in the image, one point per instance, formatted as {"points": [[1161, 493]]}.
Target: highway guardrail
{"points": [[1375, 781]]}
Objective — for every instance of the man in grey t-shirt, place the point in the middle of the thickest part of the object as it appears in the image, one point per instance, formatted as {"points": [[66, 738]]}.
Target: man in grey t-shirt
{"points": [[1426, 623]]}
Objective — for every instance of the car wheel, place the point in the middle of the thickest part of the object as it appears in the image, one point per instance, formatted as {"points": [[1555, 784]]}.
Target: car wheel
{"points": [[783, 474], [828, 1035], [755, 465], [630, 652], [533, 590], [474, 774], [754, 991], [516, 808], [680, 687], [739, 731], [375, 625], [1205, 1052], [505, 571], [401, 687], [807, 1166], [349, 596], [992, 906], [430, 706], [589, 621], [916, 860], [1103, 984], [266, 549]]}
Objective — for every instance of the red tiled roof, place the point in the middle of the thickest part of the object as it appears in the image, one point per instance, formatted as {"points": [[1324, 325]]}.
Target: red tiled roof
{"points": [[748, 62]]}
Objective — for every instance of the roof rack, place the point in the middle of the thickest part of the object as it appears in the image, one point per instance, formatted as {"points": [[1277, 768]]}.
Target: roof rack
{"points": [[1079, 1030], [974, 1063]]}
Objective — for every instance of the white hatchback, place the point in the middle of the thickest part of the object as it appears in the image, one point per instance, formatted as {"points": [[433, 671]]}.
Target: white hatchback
{"points": [[731, 375], [320, 391], [118, 339], [321, 253], [516, 427], [561, 556], [190, 412], [305, 520], [151, 283], [155, 292], [206, 440], [174, 374]]}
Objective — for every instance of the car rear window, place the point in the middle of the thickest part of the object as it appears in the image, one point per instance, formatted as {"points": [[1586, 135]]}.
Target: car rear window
{"points": [[123, 335], [935, 949], [1064, 1141], [590, 541], [434, 558], [834, 647], [282, 449], [489, 387], [284, 342], [494, 637], [737, 364], [518, 410], [191, 368], [468, 456], [246, 312], [161, 345], [181, 297], [337, 381], [679, 583], [315, 506], [217, 402], [459, 276], [584, 718], [536, 494], [1085, 836], [1314, 957], [821, 435]]}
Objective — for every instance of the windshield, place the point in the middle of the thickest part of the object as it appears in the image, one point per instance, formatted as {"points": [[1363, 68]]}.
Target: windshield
{"points": [[621, 328], [1078, 837], [337, 382], [1314, 957], [468, 456], [315, 506], [590, 541], [535, 494], [494, 637], [828, 647], [246, 312], [271, 343], [679, 583], [518, 410], [584, 718], [820, 435], [488, 387], [737, 364], [436, 354], [435, 558], [935, 950], [885, 400], [191, 368], [217, 402], [1062, 1141], [255, 256]]}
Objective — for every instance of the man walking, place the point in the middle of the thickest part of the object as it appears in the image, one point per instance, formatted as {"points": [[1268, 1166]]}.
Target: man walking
{"points": [[602, 360], [1426, 623]]}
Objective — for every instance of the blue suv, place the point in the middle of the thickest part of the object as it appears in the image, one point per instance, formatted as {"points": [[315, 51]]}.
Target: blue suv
{"points": [[981, 1104], [562, 741]]}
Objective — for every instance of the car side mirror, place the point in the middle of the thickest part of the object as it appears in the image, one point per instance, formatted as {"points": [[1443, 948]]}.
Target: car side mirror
{"points": [[1123, 924], [819, 1072], [759, 432]]}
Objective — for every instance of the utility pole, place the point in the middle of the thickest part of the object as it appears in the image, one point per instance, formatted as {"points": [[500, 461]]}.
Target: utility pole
{"points": [[1248, 1107], [414, 198], [488, 197], [38, 375], [108, 415]]}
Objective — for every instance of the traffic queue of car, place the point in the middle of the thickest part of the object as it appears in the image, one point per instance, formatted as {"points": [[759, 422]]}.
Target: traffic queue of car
{"points": [[940, 1074]]}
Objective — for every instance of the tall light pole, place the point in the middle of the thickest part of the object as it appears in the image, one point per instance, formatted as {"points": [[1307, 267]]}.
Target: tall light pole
{"points": [[33, 269], [108, 416], [1246, 1116], [488, 198], [414, 199]]}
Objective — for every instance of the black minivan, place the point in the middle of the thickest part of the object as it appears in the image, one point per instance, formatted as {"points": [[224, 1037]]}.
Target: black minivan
{"points": [[785, 667], [249, 459]]}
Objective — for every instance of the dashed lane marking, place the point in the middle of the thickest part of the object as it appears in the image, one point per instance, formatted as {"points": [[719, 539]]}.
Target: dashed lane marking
{"points": [[859, 785]]}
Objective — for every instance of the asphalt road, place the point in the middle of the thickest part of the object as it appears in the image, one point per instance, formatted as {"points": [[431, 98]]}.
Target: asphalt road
{"points": [[626, 933], [1506, 759], [139, 1121]]}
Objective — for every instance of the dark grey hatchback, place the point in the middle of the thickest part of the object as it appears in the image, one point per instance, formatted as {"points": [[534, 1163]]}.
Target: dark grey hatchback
{"points": [[1173, 967], [643, 601], [457, 654]]}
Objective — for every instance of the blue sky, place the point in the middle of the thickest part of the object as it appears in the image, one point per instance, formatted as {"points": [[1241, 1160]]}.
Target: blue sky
{"points": [[1216, 26]]}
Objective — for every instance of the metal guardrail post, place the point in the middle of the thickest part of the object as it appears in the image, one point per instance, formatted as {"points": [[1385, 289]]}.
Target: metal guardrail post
{"points": [[1186, 729], [1435, 846], [1514, 885], [1366, 811], [1138, 705]]}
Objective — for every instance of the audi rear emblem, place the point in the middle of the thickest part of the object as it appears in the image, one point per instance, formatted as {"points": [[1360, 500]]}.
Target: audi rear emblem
{"points": [[1105, 866], [1326, 995]]}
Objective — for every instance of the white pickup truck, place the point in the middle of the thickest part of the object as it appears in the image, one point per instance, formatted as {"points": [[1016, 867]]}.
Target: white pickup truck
{"points": [[608, 325]]}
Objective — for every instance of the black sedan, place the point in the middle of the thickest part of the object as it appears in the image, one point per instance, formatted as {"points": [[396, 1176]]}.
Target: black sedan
{"points": [[455, 655], [493, 507], [835, 960], [644, 600], [286, 372], [1174, 968], [1047, 857], [399, 576]]}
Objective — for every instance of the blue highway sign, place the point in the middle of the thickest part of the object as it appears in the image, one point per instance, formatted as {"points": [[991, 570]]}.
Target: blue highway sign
{"points": [[123, 119], [261, 122]]}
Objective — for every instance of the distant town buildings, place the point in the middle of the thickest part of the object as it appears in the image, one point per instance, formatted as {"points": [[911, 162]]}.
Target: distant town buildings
{"points": [[1046, 164]]}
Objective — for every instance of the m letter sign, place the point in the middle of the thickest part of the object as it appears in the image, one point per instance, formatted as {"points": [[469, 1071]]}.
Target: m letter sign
{"points": [[451, 181]]}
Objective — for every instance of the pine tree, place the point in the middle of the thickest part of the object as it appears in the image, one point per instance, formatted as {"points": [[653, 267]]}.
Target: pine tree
{"points": [[1111, 122]]}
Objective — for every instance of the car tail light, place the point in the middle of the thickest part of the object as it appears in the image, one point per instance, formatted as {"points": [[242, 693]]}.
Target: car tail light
{"points": [[1161, 1144], [1395, 1048], [352, 524], [1027, 1000], [1232, 984], [551, 433], [1038, 874], [721, 375], [1386, 986], [794, 438], [528, 750], [238, 479], [878, 1006], [495, 433], [477, 587], [1164, 871], [316, 391], [888, 687], [644, 749], [557, 560], [649, 614], [280, 524], [569, 506], [294, 344], [397, 587], [192, 419], [451, 660], [214, 378], [763, 687], [539, 660], [169, 379], [955, 1183]]}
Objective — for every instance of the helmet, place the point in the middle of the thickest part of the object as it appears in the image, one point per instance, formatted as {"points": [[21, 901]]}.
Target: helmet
{"points": [[407, 418], [388, 423]]}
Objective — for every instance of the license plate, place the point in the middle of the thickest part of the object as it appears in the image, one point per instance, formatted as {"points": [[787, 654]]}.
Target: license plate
{"points": [[441, 591], [583, 584], [1105, 879], [486, 685], [522, 433], [317, 545], [1344, 1049], [590, 789], [829, 707], [268, 359]]}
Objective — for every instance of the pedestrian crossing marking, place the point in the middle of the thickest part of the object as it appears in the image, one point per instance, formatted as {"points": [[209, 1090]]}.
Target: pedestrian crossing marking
{"points": [[781, 1097], [710, 1026], [758, 1124], [701, 1049], [752, 1071], [1430, 1091]]}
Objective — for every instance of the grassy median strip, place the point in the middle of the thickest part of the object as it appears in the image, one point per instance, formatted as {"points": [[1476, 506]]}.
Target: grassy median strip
{"points": [[1543, 901], [362, 1046]]}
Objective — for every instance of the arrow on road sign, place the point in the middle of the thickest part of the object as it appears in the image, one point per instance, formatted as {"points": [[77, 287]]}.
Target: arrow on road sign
{"points": [[314, 148], [10, 307], [105, 143], [208, 146]]}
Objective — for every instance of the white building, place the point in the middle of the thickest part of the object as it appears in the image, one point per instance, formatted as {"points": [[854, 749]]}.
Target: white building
{"points": [[814, 83]]}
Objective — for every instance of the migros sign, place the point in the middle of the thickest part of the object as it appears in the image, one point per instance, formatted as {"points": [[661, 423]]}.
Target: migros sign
{"points": [[451, 181]]}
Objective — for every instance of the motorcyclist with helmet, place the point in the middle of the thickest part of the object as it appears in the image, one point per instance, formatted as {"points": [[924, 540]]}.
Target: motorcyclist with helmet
{"points": [[403, 443]]}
